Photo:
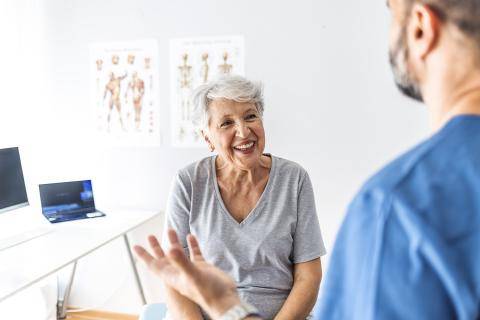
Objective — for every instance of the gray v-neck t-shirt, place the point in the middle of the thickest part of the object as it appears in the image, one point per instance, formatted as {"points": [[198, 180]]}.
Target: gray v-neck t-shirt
{"points": [[259, 253]]}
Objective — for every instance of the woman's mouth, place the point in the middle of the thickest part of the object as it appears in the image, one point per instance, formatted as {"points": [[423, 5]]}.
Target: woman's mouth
{"points": [[245, 148]]}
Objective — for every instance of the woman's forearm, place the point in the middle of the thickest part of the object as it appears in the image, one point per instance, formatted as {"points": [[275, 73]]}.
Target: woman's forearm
{"points": [[300, 301], [180, 307], [302, 297]]}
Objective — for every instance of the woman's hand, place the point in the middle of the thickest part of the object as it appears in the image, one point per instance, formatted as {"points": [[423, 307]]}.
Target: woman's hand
{"points": [[201, 282]]}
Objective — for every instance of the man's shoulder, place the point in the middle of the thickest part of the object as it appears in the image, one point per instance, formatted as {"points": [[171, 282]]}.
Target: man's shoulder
{"points": [[395, 173], [432, 172], [401, 174], [451, 148]]}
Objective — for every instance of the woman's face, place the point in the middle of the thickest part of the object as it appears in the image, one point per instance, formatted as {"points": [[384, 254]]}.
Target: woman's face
{"points": [[235, 130]]}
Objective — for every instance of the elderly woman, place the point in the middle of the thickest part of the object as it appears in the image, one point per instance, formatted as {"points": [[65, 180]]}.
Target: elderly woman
{"points": [[253, 213]]}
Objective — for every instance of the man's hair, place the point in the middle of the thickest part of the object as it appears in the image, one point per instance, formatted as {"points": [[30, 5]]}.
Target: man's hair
{"points": [[465, 14]]}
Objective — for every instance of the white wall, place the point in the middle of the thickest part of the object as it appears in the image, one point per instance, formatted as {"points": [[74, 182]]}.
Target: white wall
{"points": [[331, 105]]}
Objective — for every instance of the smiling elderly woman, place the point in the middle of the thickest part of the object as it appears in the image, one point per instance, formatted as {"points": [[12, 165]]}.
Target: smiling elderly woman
{"points": [[253, 213]]}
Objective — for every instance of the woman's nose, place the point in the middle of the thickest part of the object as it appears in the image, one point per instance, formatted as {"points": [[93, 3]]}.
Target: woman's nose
{"points": [[243, 130]]}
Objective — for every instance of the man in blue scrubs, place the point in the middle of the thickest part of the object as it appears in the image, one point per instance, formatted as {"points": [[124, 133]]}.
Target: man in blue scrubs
{"points": [[409, 247]]}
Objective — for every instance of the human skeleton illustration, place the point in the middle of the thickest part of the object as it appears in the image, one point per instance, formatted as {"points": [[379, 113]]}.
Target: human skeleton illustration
{"points": [[205, 68], [225, 67], [185, 75]]}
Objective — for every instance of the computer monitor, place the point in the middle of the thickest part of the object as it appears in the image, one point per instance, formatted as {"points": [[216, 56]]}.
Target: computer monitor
{"points": [[13, 193], [21, 223]]}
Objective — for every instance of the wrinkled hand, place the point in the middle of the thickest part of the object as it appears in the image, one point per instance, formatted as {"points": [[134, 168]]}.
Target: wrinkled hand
{"points": [[196, 279]]}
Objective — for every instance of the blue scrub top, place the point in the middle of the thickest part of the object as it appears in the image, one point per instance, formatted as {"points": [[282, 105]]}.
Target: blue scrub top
{"points": [[409, 247]]}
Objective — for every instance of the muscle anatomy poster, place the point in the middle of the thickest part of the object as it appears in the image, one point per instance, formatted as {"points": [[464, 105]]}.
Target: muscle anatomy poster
{"points": [[124, 89]]}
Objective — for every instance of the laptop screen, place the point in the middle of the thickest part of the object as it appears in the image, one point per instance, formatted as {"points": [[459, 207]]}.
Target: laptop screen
{"points": [[67, 200]]}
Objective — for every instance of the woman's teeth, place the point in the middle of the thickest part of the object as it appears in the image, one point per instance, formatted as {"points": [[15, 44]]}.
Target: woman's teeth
{"points": [[244, 146]]}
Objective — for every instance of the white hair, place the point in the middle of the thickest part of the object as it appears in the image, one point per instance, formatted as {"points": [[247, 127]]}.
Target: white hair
{"points": [[234, 88]]}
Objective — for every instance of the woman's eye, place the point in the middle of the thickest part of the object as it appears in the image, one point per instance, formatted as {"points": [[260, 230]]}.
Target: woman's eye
{"points": [[251, 116], [226, 123]]}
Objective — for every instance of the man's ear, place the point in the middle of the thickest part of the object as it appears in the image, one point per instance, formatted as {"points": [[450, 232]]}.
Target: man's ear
{"points": [[423, 31]]}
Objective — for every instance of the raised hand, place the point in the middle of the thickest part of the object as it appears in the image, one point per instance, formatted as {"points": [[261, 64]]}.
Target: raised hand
{"points": [[209, 287]]}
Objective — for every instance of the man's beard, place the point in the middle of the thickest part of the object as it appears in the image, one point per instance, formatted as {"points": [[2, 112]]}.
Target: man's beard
{"points": [[398, 61]]}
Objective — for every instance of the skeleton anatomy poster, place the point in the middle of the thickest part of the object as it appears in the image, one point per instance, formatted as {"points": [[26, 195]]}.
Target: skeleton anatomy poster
{"points": [[194, 62], [124, 86]]}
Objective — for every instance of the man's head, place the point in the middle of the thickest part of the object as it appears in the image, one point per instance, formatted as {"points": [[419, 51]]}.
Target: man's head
{"points": [[420, 27]]}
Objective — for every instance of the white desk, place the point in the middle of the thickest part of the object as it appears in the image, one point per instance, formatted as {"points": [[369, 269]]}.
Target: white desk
{"points": [[30, 262]]}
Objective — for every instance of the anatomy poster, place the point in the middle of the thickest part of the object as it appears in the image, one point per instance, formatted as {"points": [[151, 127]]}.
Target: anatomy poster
{"points": [[193, 62], [124, 87]]}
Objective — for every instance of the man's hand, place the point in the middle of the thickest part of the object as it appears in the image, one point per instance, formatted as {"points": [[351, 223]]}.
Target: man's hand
{"points": [[201, 282]]}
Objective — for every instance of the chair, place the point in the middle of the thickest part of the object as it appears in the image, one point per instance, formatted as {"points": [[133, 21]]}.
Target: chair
{"points": [[154, 311]]}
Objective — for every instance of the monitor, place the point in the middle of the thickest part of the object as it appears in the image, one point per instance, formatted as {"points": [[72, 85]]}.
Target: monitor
{"points": [[13, 193], [20, 224]]}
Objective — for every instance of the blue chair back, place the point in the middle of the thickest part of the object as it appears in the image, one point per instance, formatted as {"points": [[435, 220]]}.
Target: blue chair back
{"points": [[154, 311]]}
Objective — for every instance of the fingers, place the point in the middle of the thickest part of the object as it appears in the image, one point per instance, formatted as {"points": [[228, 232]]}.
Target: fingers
{"points": [[194, 249], [155, 245], [172, 237], [177, 255], [144, 255]]}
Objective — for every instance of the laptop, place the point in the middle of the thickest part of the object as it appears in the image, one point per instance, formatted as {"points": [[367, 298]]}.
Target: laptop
{"points": [[67, 201]]}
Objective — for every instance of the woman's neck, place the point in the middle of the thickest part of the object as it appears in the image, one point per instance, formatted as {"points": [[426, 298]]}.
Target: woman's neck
{"points": [[233, 175]]}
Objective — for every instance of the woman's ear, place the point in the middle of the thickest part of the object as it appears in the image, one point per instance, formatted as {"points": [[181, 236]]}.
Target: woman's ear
{"points": [[207, 140]]}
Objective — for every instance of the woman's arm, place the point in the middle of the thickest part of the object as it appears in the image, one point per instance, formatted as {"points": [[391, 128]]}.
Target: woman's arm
{"points": [[302, 298], [180, 307]]}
